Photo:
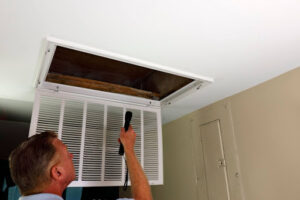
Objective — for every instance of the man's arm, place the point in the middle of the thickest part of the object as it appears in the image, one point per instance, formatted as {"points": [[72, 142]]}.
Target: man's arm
{"points": [[139, 183]]}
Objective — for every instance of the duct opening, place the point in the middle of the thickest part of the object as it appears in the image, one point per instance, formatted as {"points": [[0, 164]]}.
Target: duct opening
{"points": [[85, 70]]}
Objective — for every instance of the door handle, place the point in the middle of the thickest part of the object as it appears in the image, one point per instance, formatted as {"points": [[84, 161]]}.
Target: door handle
{"points": [[221, 163]]}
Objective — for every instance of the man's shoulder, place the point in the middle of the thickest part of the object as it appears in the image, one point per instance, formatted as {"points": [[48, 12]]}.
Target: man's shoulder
{"points": [[41, 196]]}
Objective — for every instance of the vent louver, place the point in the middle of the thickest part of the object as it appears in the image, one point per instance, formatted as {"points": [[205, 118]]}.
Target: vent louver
{"points": [[90, 128]]}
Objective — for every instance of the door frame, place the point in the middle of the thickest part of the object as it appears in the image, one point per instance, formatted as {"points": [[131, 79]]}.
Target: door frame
{"points": [[219, 111]]}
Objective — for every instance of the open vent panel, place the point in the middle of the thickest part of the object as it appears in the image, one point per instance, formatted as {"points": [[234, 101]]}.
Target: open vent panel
{"points": [[90, 128]]}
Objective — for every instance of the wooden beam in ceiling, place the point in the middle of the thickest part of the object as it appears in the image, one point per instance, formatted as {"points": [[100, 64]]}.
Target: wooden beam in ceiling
{"points": [[99, 85]]}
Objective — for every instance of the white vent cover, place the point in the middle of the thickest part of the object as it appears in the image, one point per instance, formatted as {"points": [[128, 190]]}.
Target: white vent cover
{"points": [[88, 117], [90, 127]]}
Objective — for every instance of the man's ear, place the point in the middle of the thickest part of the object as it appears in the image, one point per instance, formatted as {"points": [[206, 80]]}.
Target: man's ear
{"points": [[57, 172]]}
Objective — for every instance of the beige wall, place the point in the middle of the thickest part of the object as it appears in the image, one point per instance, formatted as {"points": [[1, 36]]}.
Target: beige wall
{"points": [[179, 173], [266, 122]]}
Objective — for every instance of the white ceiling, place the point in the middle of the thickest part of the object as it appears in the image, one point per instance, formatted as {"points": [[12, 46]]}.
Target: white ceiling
{"points": [[238, 43]]}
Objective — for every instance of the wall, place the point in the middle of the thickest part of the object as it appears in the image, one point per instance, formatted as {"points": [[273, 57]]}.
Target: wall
{"points": [[267, 126], [266, 122], [179, 172]]}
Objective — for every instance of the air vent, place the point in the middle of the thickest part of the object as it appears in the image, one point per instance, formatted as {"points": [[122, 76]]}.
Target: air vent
{"points": [[83, 94], [90, 128]]}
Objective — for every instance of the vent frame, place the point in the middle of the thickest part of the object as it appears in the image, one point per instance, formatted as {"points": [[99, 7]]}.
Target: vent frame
{"points": [[51, 44]]}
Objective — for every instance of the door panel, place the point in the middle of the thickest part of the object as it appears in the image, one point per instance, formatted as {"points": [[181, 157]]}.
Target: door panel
{"points": [[214, 161]]}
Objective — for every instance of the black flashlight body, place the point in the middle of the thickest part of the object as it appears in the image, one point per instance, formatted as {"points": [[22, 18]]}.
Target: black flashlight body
{"points": [[128, 117]]}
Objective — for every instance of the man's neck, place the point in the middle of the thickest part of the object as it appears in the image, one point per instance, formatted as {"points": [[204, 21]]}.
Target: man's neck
{"points": [[54, 189]]}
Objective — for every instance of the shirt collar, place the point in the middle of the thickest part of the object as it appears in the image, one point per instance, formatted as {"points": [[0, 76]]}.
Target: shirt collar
{"points": [[44, 196]]}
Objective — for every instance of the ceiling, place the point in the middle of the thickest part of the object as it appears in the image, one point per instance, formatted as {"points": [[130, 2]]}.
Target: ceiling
{"points": [[237, 43]]}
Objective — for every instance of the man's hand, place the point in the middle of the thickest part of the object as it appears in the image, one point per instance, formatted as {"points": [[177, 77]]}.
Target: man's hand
{"points": [[139, 183], [128, 139]]}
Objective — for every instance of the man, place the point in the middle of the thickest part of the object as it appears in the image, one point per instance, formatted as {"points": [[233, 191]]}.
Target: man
{"points": [[42, 167]]}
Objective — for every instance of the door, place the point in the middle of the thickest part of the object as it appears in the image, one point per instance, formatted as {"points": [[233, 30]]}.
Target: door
{"points": [[214, 161]]}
